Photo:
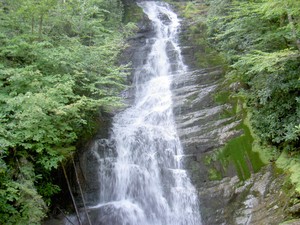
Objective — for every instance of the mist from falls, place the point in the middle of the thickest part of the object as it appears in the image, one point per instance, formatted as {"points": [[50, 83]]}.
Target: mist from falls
{"points": [[142, 181]]}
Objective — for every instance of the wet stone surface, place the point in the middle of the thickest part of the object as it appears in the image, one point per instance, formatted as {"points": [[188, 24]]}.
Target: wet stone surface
{"points": [[225, 198]]}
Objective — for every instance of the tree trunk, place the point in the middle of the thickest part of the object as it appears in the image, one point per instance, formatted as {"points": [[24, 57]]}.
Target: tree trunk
{"points": [[294, 32], [41, 25], [81, 193], [70, 191], [32, 25]]}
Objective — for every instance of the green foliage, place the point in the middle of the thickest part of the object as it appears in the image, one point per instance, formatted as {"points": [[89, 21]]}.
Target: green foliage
{"points": [[196, 36], [261, 42], [58, 69], [214, 174], [291, 165], [274, 82], [20, 202], [132, 13]]}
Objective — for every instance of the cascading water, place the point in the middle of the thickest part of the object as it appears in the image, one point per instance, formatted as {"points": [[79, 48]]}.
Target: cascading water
{"points": [[143, 183]]}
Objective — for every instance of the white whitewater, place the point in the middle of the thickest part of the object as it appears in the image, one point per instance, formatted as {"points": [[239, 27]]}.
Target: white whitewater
{"points": [[146, 184]]}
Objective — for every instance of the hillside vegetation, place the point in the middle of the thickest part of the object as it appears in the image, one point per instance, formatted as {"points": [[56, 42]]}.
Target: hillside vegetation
{"points": [[261, 42], [58, 71], [258, 44]]}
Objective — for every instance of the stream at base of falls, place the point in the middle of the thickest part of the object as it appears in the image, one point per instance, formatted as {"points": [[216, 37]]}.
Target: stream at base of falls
{"points": [[142, 180]]}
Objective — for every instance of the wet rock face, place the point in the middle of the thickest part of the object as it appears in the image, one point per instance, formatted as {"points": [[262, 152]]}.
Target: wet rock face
{"points": [[198, 117], [224, 197], [135, 54], [88, 167], [203, 131], [259, 200]]}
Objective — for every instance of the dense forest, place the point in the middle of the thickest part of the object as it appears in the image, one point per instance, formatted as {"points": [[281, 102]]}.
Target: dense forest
{"points": [[261, 42], [258, 42], [58, 71]]}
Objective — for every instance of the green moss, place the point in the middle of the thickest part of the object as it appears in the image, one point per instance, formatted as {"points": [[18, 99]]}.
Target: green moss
{"points": [[239, 152], [290, 164], [266, 153], [214, 174], [291, 222], [208, 160], [222, 97]]}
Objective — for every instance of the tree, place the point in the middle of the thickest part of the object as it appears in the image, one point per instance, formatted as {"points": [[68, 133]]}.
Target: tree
{"points": [[288, 10], [265, 59], [58, 69]]}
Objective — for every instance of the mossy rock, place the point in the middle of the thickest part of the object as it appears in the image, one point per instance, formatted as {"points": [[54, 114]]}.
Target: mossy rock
{"points": [[291, 222]]}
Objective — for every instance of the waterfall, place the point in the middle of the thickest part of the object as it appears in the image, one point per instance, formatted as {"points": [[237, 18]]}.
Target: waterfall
{"points": [[142, 181]]}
